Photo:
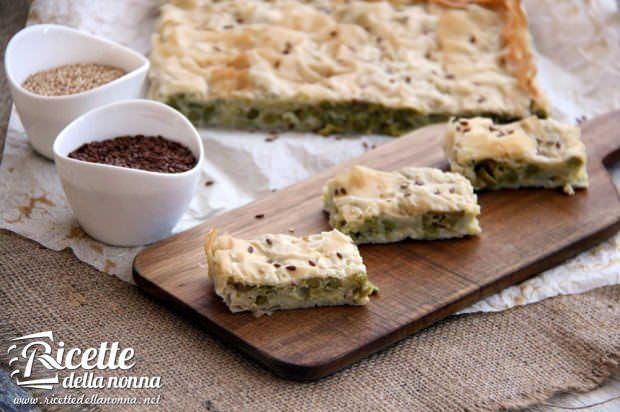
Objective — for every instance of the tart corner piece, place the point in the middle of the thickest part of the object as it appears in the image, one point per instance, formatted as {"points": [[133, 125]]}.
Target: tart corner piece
{"points": [[529, 153], [374, 206], [338, 66], [276, 271]]}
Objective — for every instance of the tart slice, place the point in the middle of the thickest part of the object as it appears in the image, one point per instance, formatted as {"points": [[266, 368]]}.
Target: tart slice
{"points": [[528, 153], [373, 206], [274, 272]]}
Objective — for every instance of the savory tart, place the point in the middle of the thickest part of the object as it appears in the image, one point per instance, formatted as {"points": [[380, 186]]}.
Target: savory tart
{"points": [[373, 206], [344, 66], [528, 153], [275, 272]]}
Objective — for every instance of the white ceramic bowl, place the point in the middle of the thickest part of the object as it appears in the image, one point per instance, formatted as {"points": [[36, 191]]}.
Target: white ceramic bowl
{"points": [[45, 46], [122, 206]]}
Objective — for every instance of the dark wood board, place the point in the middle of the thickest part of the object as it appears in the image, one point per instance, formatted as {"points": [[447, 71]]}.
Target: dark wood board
{"points": [[524, 233]]}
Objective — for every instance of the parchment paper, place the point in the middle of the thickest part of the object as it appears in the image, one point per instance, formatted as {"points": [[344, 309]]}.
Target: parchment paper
{"points": [[578, 55]]}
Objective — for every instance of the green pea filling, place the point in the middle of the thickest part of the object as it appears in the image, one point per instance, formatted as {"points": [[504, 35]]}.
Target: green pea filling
{"points": [[324, 117], [314, 288], [372, 227], [433, 223], [493, 174]]}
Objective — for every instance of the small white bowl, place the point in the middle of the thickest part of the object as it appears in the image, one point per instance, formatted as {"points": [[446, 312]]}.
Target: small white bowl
{"points": [[122, 206], [45, 46]]}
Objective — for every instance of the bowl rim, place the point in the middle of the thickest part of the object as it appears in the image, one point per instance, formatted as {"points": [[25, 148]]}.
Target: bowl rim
{"points": [[169, 111], [144, 66]]}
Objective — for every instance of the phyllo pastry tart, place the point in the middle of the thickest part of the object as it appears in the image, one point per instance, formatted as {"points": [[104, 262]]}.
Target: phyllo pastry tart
{"points": [[343, 66], [529, 153], [374, 206], [274, 272]]}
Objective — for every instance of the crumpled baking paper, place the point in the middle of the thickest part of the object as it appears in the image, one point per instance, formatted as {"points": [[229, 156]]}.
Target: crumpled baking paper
{"points": [[578, 55]]}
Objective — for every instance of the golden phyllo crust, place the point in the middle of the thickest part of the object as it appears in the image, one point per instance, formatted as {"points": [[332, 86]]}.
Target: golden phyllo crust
{"points": [[343, 66]]}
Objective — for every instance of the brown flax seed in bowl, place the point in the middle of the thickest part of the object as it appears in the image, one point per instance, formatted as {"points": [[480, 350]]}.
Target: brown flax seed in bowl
{"points": [[150, 153], [71, 79]]}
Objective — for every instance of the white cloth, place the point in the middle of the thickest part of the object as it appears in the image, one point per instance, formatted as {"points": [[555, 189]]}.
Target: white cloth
{"points": [[578, 56]]}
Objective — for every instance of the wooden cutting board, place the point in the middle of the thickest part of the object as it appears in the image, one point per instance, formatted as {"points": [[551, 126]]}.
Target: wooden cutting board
{"points": [[524, 233]]}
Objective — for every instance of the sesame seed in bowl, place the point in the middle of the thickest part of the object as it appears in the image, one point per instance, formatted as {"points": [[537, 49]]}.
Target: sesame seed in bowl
{"points": [[71, 79]]}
